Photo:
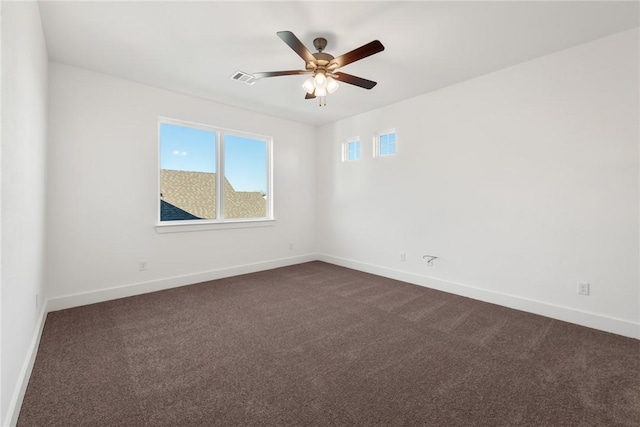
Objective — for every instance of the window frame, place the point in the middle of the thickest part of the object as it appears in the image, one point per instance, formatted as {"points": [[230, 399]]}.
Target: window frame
{"points": [[377, 142], [345, 149], [219, 221]]}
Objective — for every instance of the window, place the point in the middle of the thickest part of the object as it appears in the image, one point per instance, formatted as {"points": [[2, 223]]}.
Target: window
{"points": [[209, 174], [385, 143], [351, 150]]}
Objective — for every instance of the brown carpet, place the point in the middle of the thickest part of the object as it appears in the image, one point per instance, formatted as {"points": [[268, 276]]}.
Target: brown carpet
{"points": [[320, 345]]}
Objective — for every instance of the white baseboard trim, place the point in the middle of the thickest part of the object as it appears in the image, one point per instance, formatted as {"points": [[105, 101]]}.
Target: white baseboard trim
{"points": [[92, 297], [590, 320], [13, 411]]}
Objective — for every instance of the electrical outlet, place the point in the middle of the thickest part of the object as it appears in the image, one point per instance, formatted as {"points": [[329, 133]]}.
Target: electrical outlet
{"points": [[37, 300], [142, 266], [290, 246], [583, 288], [403, 257]]}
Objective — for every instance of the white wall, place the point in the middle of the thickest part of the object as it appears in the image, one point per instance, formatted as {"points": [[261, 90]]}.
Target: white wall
{"points": [[103, 192], [523, 182], [24, 127]]}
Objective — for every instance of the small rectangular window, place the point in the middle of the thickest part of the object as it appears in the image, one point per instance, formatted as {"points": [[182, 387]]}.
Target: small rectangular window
{"points": [[385, 143], [213, 175], [351, 150]]}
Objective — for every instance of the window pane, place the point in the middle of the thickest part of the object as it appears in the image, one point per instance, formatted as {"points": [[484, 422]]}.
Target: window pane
{"points": [[387, 144], [354, 150], [245, 172], [187, 173]]}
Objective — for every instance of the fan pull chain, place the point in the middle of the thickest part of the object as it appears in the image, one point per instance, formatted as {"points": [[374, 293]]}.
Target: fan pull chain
{"points": [[322, 101]]}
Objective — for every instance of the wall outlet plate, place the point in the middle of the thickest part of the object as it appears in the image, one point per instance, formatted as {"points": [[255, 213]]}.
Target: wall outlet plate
{"points": [[583, 288]]}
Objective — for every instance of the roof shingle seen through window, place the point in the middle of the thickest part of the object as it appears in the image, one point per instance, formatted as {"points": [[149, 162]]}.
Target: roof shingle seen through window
{"points": [[194, 193]]}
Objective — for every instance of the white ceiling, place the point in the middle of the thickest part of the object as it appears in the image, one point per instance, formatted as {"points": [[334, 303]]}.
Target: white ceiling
{"points": [[195, 47]]}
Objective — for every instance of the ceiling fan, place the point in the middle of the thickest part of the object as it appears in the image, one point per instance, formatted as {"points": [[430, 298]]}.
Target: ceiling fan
{"points": [[322, 66]]}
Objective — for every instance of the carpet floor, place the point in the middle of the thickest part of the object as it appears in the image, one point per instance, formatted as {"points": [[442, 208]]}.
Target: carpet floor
{"points": [[321, 345]]}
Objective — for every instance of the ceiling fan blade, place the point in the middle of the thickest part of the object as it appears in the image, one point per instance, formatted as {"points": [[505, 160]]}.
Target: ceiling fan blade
{"points": [[294, 43], [356, 54], [310, 95], [279, 73], [354, 80]]}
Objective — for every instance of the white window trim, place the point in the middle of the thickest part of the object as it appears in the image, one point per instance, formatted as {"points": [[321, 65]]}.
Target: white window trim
{"points": [[204, 225], [376, 142], [225, 223], [345, 149]]}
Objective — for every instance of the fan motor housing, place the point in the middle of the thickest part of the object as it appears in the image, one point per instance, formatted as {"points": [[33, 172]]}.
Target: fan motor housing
{"points": [[322, 60]]}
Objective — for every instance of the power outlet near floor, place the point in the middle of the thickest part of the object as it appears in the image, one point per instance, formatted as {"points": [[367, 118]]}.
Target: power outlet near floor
{"points": [[143, 265], [583, 288], [403, 256]]}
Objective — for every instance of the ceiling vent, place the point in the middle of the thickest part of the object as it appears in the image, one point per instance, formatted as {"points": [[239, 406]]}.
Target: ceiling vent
{"points": [[244, 77]]}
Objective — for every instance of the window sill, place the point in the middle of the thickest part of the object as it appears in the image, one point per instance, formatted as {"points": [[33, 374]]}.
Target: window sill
{"points": [[186, 226]]}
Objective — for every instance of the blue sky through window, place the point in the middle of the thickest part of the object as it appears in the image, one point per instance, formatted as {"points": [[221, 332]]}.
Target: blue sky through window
{"points": [[353, 150], [245, 163], [187, 149]]}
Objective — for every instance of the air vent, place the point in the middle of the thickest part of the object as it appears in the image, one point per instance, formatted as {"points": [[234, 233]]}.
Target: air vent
{"points": [[244, 78]]}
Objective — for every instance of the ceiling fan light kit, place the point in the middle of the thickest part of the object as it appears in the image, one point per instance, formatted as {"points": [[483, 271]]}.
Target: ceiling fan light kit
{"points": [[322, 66], [319, 85]]}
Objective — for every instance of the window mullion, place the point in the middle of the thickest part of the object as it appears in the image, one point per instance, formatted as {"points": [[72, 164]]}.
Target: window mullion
{"points": [[269, 189], [220, 177]]}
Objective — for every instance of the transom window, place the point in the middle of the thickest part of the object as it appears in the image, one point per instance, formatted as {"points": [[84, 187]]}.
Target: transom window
{"points": [[351, 150], [209, 174], [385, 143]]}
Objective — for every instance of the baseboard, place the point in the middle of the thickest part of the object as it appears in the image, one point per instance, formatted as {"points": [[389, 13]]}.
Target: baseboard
{"points": [[591, 320], [86, 298], [13, 411]]}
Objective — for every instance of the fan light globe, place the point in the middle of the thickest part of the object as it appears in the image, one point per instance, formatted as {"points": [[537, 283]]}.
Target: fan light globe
{"points": [[332, 85], [321, 91], [308, 85], [320, 80]]}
